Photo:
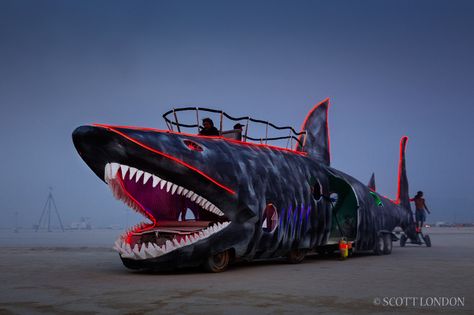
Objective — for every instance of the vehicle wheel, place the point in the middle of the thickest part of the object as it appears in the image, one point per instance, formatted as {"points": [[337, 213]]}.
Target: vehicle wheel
{"points": [[218, 262], [387, 244], [379, 245], [427, 240], [403, 240], [296, 256]]}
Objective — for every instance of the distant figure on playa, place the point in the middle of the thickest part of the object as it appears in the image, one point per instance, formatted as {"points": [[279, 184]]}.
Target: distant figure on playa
{"points": [[208, 128], [420, 207]]}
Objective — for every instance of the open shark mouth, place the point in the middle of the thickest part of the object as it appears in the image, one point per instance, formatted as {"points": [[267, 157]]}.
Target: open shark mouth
{"points": [[178, 216]]}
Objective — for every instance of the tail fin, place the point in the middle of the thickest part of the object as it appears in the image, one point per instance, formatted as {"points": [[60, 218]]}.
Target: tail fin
{"points": [[371, 184], [316, 143], [402, 194]]}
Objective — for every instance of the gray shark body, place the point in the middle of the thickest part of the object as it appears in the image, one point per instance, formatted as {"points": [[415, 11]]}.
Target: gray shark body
{"points": [[253, 201]]}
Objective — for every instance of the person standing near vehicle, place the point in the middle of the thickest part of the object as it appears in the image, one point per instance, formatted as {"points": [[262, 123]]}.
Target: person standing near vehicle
{"points": [[420, 207]]}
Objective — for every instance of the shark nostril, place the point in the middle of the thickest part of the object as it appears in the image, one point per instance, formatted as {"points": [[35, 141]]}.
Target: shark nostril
{"points": [[193, 146]]}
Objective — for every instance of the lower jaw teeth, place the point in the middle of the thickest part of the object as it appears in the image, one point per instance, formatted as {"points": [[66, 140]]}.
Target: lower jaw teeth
{"points": [[153, 250]]}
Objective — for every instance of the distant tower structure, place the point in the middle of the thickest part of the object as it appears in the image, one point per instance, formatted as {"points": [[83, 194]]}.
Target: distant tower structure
{"points": [[46, 213]]}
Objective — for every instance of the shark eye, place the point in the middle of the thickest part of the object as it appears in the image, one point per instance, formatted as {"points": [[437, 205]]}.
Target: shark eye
{"points": [[193, 146]]}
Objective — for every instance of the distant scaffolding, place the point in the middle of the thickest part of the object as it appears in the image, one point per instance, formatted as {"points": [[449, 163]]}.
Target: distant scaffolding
{"points": [[283, 133], [46, 213]]}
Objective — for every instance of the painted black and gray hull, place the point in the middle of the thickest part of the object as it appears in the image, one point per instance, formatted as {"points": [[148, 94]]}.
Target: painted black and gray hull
{"points": [[206, 195]]}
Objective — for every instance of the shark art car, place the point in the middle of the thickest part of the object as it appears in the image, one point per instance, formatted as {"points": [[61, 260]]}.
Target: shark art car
{"points": [[209, 200]]}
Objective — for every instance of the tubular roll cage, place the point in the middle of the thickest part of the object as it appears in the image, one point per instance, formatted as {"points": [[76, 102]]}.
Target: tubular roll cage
{"points": [[298, 137]]}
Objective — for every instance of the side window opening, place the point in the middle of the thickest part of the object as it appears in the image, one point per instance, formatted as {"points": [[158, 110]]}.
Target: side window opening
{"points": [[270, 218]]}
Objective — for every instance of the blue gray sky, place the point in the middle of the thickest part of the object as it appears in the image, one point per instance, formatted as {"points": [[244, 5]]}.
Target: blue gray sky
{"points": [[391, 68]]}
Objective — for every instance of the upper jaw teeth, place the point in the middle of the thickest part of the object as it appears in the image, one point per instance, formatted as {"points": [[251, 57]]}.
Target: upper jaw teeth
{"points": [[111, 171], [153, 250]]}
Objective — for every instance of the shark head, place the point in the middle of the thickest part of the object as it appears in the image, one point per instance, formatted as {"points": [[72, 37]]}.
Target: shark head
{"points": [[199, 195]]}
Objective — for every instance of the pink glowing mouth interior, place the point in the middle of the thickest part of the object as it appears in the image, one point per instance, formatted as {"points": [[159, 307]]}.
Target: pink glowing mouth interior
{"points": [[175, 212]]}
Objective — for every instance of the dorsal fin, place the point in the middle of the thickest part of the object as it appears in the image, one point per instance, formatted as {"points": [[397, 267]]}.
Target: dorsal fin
{"points": [[403, 197], [317, 142], [371, 183]]}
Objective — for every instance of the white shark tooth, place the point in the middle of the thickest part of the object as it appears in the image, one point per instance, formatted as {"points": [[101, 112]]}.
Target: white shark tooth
{"points": [[107, 172], [162, 183], [146, 177], [202, 202], [192, 239], [123, 170], [180, 190], [176, 243], [182, 243], [198, 200], [142, 254], [168, 186], [173, 189], [132, 172], [113, 169], [169, 246], [206, 232], [185, 192], [139, 174], [189, 194], [201, 234], [156, 180], [128, 248], [151, 250], [136, 251], [162, 248], [264, 225], [128, 255], [193, 197]]}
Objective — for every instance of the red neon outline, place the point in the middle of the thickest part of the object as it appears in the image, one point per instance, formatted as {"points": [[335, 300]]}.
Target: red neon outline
{"points": [[272, 147], [327, 125], [403, 140], [167, 156]]}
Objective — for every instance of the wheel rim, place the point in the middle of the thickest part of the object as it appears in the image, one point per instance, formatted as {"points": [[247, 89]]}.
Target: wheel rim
{"points": [[220, 260]]}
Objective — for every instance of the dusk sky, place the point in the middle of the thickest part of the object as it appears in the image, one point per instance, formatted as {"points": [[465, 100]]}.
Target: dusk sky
{"points": [[390, 68]]}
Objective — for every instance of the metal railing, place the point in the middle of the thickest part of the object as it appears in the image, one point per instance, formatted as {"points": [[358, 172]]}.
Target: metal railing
{"points": [[298, 137]]}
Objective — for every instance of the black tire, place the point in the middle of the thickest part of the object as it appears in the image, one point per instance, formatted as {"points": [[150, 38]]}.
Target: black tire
{"points": [[403, 240], [218, 262], [379, 245], [296, 256], [427, 240], [387, 244]]}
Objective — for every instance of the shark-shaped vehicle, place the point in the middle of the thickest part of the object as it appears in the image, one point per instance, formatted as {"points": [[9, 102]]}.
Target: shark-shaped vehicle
{"points": [[212, 199]]}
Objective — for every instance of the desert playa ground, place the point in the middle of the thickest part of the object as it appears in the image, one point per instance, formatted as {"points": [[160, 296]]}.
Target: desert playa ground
{"points": [[76, 272]]}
